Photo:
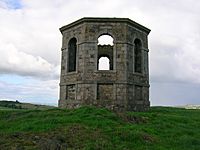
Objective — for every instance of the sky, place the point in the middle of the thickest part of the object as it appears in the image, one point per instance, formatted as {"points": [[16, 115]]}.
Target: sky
{"points": [[30, 45]]}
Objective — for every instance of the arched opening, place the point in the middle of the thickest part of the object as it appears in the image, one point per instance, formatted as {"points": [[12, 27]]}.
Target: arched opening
{"points": [[138, 56], [104, 63], [105, 40], [72, 48], [105, 52]]}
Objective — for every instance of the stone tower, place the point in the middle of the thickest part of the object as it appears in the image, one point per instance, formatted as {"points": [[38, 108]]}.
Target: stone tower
{"points": [[125, 84]]}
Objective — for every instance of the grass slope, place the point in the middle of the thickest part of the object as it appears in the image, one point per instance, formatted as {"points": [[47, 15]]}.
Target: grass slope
{"points": [[95, 128]]}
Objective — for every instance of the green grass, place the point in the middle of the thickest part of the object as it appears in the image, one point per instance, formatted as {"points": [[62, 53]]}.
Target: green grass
{"points": [[5, 108], [97, 128]]}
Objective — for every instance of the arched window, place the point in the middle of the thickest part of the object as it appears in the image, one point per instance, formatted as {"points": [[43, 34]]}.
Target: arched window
{"points": [[104, 63], [105, 52], [72, 48], [138, 56]]}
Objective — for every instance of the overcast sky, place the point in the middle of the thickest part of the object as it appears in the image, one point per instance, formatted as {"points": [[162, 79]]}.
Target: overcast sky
{"points": [[30, 44]]}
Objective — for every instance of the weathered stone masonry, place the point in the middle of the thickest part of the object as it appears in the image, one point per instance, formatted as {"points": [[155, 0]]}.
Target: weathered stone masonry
{"points": [[125, 86]]}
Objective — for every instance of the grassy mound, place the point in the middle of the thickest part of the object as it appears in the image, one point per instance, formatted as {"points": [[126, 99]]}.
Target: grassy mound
{"points": [[96, 128]]}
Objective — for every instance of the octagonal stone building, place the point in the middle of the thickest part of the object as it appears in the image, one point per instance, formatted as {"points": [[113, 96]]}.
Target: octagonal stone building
{"points": [[124, 84]]}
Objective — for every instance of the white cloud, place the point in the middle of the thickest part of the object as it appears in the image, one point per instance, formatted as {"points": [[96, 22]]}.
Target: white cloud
{"points": [[19, 62], [37, 91]]}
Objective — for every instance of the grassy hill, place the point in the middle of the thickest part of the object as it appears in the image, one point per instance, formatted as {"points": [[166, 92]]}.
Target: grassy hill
{"points": [[4, 104], [96, 128]]}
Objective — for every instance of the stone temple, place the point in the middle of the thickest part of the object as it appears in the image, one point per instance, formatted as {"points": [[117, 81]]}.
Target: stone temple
{"points": [[114, 75]]}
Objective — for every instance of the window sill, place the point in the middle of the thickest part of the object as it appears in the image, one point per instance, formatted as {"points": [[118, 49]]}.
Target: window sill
{"points": [[105, 71]]}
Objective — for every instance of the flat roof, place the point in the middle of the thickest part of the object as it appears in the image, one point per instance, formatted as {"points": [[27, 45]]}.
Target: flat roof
{"points": [[103, 20]]}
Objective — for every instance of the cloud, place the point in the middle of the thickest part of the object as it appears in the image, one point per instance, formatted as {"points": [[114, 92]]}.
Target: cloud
{"points": [[171, 94], [175, 59], [21, 63], [37, 91], [27, 47]]}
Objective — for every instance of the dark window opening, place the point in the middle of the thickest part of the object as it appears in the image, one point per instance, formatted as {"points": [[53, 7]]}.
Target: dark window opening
{"points": [[138, 56], [72, 48]]}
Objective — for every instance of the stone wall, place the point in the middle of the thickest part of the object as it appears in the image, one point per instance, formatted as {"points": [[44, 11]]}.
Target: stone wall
{"points": [[120, 88]]}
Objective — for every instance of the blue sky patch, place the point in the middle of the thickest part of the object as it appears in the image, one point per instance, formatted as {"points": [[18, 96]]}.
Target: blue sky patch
{"points": [[14, 79], [13, 4]]}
